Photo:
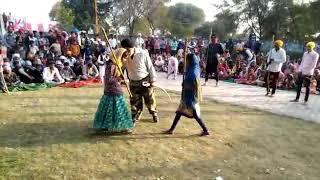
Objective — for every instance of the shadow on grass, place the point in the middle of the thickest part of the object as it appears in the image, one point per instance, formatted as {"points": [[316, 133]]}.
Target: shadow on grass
{"points": [[49, 133]]}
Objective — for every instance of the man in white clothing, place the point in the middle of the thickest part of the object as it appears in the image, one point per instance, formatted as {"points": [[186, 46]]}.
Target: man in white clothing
{"points": [[102, 59], [113, 41], [142, 75], [51, 75], [275, 60], [306, 70], [139, 41], [173, 67]]}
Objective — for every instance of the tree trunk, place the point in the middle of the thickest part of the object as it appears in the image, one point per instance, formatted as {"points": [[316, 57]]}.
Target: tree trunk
{"points": [[131, 27]]}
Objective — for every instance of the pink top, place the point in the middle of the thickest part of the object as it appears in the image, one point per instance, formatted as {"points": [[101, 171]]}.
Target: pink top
{"points": [[309, 63], [157, 44]]}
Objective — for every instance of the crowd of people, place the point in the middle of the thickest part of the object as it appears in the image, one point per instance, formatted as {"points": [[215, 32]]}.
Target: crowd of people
{"points": [[58, 57], [237, 61], [54, 57]]}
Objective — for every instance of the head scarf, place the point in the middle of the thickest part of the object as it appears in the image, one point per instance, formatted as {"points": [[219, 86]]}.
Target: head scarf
{"points": [[192, 79], [118, 61], [279, 43], [311, 45], [193, 68]]}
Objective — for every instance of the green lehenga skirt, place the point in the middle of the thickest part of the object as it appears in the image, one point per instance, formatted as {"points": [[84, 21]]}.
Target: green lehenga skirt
{"points": [[113, 115]]}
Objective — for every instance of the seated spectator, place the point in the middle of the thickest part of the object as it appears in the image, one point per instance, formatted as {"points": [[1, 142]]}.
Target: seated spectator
{"points": [[92, 70], [55, 49], [180, 53], [37, 73], [281, 80], [67, 73], [80, 70], [242, 76], [88, 59], [70, 59], [249, 76], [158, 64], [261, 79], [223, 69], [33, 48], [173, 67], [10, 77], [59, 65], [317, 78], [313, 86], [289, 82], [228, 58], [73, 45], [51, 74], [21, 73], [237, 68], [16, 57], [290, 77]]}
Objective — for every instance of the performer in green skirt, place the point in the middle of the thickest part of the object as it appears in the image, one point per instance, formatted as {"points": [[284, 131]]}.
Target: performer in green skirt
{"points": [[113, 115]]}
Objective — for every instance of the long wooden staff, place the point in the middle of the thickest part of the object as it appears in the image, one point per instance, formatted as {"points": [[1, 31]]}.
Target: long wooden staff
{"points": [[185, 52], [115, 59], [3, 82]]}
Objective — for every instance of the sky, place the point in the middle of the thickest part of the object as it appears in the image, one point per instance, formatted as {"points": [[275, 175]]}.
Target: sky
{"points": [[37, 11], [206, 5]]}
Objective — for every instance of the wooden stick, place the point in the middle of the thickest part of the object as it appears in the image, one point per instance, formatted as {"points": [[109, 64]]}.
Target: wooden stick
{"points": [[185, 57], [3, 82], [115, 59]]}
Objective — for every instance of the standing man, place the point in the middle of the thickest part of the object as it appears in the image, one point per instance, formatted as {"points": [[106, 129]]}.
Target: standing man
{"points": [[142, 76], [113, 41], [275, 60], [174, 46], [139, 41], [212, 56], [306, 70], [10, 41]]}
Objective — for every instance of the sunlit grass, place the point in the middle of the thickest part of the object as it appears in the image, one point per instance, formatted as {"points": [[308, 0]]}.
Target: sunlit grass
{"points": [[44, 135]]}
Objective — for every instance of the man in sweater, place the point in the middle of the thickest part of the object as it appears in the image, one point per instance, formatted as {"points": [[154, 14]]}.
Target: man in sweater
{"points": [[142, 75], [306, 70], [213, 51], [276, 58]]}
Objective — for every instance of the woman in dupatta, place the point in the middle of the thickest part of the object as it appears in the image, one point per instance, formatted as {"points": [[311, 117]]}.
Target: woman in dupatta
{"points": [[113, 115], [191, 95]]}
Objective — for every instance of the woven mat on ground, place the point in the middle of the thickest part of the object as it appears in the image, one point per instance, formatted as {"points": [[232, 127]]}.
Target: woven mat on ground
{"points": [[78, 84], [231, 80], [30, 87]]}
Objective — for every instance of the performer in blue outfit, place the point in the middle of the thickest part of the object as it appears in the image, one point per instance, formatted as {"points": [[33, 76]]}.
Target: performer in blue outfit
{"points": [[191, 95]]}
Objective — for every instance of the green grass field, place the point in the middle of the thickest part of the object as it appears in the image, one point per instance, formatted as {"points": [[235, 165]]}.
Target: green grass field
{"points": [[44, 135]]}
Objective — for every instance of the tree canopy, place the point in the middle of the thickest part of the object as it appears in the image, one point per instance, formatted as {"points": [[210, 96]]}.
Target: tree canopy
{"points": [[82, 12], [225, 26], [184, 18], [285, 19]]}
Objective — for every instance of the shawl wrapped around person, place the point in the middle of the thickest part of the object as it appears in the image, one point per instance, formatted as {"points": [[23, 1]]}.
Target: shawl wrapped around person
{"points": [[113, 115], [191, 90]]}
